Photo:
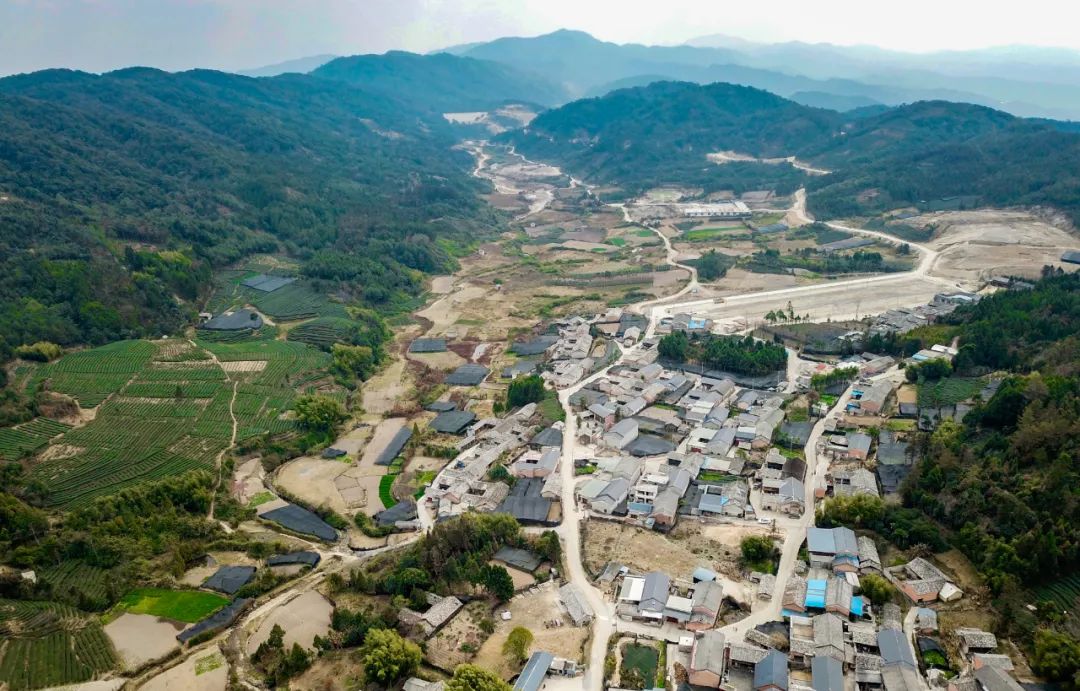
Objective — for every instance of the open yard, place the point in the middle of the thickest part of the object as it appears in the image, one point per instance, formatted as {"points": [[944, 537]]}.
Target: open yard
{"points": [[305, 616], [677, 554], [533, 611]]}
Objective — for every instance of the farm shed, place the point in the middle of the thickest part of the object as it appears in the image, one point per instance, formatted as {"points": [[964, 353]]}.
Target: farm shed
{"points": [[218, 620], [234, 321], [306, 557], [300, 520], [266, 284], [229, 579], [428, 345], [520, 559], [467, 375], [453, 421], [393, 449]]}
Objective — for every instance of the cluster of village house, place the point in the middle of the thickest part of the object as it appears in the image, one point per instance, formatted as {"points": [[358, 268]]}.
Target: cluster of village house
{"points": [[827, 638], [660, 444]]}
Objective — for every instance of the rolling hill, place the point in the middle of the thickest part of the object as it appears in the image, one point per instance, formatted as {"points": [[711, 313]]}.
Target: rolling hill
{"points": [[443, 82], [661, 133], [174, 174]]}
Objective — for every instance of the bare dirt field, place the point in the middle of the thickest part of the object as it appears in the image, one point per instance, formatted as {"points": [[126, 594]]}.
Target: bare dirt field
{"points": [[444, 648], [312, 481], [532, 611], [195, 576], [977, 244], [201, 672], [646, 550], [729, 535], [445, 361], [383, 391], [140, 638], [441, 285], [337, 670], [304, 617], [248, 480]]}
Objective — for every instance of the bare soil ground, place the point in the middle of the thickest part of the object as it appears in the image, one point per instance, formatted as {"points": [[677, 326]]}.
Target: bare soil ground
{"points": [[304, 617], [444, 361], [979, 244], [140, 638], [521, 579], [532, 611], [312, 480], [444, 648], [338, 670], [202, 672], [677, 554], [382, 392], [248, 480], [195, 576]]}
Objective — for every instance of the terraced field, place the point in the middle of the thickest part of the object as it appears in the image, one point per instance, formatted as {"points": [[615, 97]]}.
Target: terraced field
{"points": [[164, 409], [18, 441], [48, 644], [79, 584], [322, 332]]}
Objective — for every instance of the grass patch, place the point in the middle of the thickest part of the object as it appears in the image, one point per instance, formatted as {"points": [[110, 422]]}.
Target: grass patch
{"points": [[551, 410], [423, 480], [948, 391], [585, 470], [642, 658], [899, 425], [260, 499], [618, 242], [386, 496], [643, 233], [208, 663], [179, 605], [714, 476]]}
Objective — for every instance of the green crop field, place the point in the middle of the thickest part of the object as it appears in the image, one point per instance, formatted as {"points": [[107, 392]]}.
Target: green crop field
{"points": [[18, 441], [706, 234], [48, 644], [179, 605], [164, 409], [323, 332], [949, 391], [79, 584]]}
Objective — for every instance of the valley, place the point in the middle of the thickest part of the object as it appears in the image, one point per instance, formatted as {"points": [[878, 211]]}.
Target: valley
{"points": [[409, 374]]}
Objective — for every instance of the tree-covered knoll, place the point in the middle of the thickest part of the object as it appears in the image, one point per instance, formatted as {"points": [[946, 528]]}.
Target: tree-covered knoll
{"points": [[741, 355], [120, 191]]}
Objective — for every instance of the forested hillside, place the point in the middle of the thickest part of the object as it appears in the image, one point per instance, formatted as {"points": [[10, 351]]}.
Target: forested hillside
{"points": [[639, 136], [1005, 482], [661, 134], [443, 82], [174, 174]]}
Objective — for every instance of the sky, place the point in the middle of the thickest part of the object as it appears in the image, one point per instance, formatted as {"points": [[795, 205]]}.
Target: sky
{"points": [[99, 35]]}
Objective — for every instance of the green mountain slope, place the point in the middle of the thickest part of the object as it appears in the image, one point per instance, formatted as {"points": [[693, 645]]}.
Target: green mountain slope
{"points": [[200, 169], [664, 130], [443, 82]]}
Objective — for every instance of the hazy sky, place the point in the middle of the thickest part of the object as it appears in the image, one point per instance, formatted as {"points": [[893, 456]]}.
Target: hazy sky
{"points": [[100, 35]]}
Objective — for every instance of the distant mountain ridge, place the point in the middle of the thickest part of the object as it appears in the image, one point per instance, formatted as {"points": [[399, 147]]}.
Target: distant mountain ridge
{"points": [[443, 82], [297, 66], [585, 66]]}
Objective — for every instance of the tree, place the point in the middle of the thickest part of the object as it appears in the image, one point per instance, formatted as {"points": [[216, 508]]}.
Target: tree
{"points": [[388, 657], [713, 265], [1056, 657], [319, 413], [548, 546], [516, 646], [757, 548], [497, 581], [524, 390], [877, 589], [358, 360], [674, 346], [472, 678]]}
